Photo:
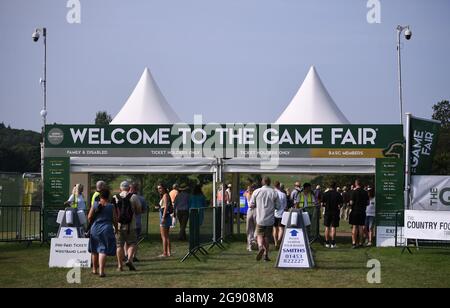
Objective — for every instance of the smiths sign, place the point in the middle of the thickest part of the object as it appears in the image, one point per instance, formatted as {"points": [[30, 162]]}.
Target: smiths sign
{"points": [[230, 140]]}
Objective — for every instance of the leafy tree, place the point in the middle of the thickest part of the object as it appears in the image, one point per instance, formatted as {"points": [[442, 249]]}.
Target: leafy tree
{"points": [[102, 118], [441, 112], [441, 161]]}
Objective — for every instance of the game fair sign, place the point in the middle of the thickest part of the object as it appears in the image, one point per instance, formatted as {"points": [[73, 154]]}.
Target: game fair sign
{"points": [[225, 140]]}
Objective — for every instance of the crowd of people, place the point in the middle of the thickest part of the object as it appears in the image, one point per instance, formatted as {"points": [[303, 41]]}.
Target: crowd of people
{"points": [[266, 205], [115, 222]]}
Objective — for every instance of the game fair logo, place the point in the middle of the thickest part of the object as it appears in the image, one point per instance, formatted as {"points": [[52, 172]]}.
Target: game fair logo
{"points": [[55, 136]]}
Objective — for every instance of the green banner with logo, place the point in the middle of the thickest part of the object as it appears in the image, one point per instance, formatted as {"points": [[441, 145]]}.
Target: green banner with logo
{"points": [[225, 140], [423, 136], [389, 191]]}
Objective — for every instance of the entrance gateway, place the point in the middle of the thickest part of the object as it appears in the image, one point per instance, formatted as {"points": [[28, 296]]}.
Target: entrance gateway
{"points": [[72, 152]]}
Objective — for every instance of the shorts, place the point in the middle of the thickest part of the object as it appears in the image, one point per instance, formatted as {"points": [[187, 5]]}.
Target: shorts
{"points": [[278, 222], [126, 237], [370, 222], [331, 220], [264, 231], [168, 221], [357, 218]]}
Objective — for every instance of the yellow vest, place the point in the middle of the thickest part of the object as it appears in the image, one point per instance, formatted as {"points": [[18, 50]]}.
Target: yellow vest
{"points": [[302, 200], [74, 204], [95, 195]]}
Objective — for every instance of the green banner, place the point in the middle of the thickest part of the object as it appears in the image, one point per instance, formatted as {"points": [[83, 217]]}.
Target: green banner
{"points": [[423, 136], [389, 191], [56, 181], [225, 140], [56, 192]]}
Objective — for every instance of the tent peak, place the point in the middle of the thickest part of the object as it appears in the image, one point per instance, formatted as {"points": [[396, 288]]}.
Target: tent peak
{"points": [[312, 104], [146, 104]]}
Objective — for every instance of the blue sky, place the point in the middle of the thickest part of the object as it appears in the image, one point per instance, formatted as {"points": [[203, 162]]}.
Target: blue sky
{"points": [[229, 60]]}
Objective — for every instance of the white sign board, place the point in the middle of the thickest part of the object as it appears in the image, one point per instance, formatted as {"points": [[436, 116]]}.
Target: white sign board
{"points": [[430, 193], [427, 225], [293, 251], [69, 253], [386, 236]]}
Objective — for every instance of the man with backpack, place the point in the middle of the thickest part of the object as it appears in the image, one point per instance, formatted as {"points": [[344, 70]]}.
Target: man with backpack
{"points": [[295, 194], [127, 205]]}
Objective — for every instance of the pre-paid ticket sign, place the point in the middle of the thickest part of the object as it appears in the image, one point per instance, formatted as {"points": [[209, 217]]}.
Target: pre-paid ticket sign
{"points": [[295, 251]]}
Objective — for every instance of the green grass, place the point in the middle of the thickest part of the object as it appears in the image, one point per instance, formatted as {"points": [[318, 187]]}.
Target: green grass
{"points": [[234, 267]]}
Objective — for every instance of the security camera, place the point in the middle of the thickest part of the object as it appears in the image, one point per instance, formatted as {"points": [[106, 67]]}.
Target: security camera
{"points": [[35, 36], [408, 34]]}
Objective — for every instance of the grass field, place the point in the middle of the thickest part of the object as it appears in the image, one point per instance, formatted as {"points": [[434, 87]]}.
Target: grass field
{"points": [[22, 266]]}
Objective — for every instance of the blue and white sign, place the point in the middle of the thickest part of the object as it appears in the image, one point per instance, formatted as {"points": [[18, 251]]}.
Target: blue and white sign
{"points": [[67, 232], [294, 251]]}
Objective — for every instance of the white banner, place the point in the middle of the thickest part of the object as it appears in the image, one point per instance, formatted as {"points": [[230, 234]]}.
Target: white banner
{"points": [[430, 193], [427, 225]]}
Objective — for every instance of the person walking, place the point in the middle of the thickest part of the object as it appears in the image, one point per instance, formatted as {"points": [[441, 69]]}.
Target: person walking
{"points": [[99, 186], [181, 210], [358, 202], [370, 218], [127, 205], [345, 209], [102, 242], [332, 201], [165, 220], [251, 218], [135, 189], [265, 200], [295, 194], [278, 227]]}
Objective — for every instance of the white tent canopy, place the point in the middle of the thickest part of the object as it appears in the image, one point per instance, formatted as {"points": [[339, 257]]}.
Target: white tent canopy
{"points": [[312, 104], [146, 105]]}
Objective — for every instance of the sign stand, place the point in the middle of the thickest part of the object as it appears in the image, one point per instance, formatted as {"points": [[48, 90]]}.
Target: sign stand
{"points": [[295, 251]]}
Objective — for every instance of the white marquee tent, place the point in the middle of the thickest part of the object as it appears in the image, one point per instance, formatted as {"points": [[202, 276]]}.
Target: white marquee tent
{"points": [[146, 105], [312, 104]]}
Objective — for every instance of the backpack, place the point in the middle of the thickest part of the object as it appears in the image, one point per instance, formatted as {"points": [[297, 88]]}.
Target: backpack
{"points": [[124, 209]]}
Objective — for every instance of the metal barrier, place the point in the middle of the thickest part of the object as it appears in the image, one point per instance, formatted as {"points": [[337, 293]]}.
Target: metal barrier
{"points": [[204, 230], [314, 228], [20, 224]]}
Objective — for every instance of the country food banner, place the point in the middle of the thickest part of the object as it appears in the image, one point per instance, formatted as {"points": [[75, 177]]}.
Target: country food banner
{"points": [[225, 140], [427, 225]]}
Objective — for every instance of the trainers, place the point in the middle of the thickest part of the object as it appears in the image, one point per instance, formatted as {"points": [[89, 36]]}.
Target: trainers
{"points": [[327, 245], [266, 259], [249, 248], [354, 246], [369, 244], [130, 266], [333, 246], [260, 254]]}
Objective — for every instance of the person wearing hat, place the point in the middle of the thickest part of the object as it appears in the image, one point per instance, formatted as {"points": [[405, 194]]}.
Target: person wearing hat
{"points": [[181, 207], [127, 205]]}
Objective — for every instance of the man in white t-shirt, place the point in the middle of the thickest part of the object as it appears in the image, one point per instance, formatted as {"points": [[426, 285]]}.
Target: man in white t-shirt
{"points": [[265, 200]]}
